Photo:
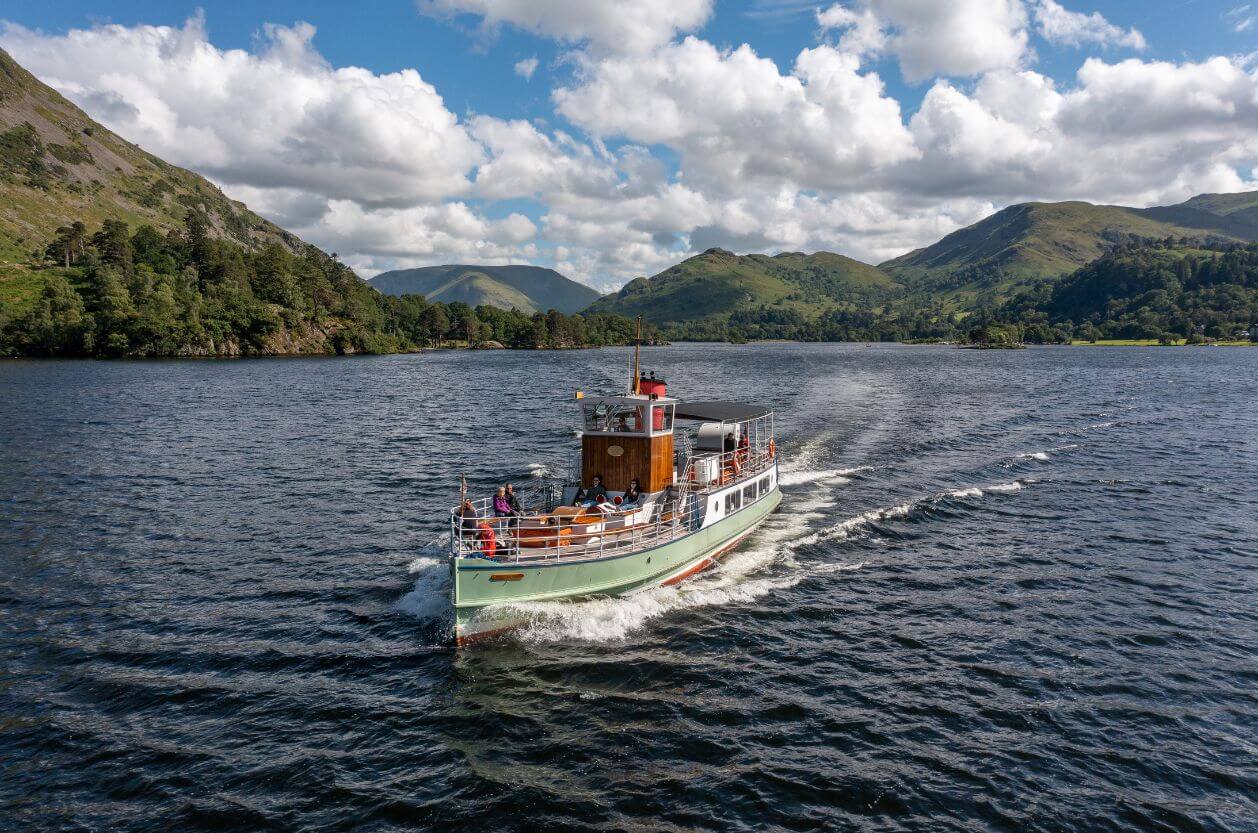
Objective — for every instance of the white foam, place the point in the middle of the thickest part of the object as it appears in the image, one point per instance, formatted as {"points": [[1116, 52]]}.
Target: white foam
{"points": [[430, 598], [844, 528], [422, 564], [972, 491], [1015, 486], [1098, 426], [1032, 455], [538, 469], [838, 476]]}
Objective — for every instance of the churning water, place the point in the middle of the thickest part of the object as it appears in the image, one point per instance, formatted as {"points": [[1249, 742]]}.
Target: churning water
{"points": [[1005, 591]]}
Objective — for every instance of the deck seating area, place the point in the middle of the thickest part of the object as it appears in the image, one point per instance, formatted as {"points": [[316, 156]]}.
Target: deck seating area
{"points": [[559, 532]]}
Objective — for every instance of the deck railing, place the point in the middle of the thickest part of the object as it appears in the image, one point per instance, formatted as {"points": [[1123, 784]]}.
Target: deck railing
{"points": [[547, 535]]}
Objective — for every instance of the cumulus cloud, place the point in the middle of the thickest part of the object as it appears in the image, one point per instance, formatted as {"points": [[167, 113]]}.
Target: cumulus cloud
{"points": [[526, 67], [929, 38], [612, 25], [280, 117], [1057, 24], [737, 119]]}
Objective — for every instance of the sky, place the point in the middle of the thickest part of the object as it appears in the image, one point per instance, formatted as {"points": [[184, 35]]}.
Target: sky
{"points": [[613, 138]]}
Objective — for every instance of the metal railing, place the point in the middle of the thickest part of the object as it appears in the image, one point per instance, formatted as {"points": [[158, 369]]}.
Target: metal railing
{"points": [[551, 532]]}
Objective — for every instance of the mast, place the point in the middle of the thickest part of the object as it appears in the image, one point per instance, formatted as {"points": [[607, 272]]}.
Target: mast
{"points": [[635, 384]]}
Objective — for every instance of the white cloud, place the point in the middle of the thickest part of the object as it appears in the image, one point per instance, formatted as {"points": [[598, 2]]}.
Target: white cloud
{"points": [[736, 119], [958, 37], [280, 117], [1241, 18], [1058, 25], [611, 25], [863, 32], [526, 67]]}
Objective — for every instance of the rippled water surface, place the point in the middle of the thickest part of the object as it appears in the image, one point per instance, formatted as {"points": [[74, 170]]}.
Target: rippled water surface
{"points": [[1005, 591]]}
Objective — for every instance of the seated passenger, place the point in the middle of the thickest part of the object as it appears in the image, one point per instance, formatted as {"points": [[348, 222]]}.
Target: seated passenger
{"points": [[744, 445], [633, 495], [467, 517], [592, 496], [730, 443]]}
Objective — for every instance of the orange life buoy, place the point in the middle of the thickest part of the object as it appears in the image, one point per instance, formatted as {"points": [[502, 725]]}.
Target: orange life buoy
{"points": [[772, 449]]}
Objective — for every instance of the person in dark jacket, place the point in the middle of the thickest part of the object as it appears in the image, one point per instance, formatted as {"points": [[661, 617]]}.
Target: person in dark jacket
{"points": [[633, 495], [596, 494], [469, 521]]}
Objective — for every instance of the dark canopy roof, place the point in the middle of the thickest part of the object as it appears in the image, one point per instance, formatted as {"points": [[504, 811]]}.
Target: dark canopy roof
{"points": [[719, 411]]}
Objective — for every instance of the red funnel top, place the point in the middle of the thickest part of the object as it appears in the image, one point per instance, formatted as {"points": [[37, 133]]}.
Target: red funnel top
{"points": [[649, 385]]}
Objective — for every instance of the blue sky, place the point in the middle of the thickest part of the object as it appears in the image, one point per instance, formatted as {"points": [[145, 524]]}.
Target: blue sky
{"points": [[623, 151]]}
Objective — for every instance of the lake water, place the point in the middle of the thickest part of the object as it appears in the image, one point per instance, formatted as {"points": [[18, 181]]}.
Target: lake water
{"points": [[1005, 591]]}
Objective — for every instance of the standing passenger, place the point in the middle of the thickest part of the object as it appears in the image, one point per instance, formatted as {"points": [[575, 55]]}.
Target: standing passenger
{"points": [[512, 499], [502, 506]]}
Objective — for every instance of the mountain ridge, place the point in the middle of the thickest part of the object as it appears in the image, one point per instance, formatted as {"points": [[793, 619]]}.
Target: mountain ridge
{"points": [[717, 284], [1033, 240], [58, 166], [526, 288]]}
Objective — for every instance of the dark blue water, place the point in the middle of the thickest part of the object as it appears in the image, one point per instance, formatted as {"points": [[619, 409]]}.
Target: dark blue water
{"points": [[1006, 591]]}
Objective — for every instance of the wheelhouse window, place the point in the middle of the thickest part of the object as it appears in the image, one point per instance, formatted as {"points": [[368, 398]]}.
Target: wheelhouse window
{"points": [[613, 418], [662, 417]]}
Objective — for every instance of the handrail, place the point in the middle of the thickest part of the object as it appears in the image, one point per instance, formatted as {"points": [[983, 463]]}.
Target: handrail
{"points": [[668, 519]]}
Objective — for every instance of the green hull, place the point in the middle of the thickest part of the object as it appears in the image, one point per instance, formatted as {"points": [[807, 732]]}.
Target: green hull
{"points": [[483, 603]]}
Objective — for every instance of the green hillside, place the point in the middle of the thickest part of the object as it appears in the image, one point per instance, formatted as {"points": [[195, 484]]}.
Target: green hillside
{"points": [[1043, 240], [58, 166], [712, 287], [526, 288], [1159, 291]]}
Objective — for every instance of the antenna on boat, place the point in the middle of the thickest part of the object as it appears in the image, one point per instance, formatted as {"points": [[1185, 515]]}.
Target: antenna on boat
{"points": [[635, 385]]}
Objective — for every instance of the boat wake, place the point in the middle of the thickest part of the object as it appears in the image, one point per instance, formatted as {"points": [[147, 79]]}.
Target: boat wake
{"points": [[764, 565], [430, 597], [769, 562], [835, 476]]}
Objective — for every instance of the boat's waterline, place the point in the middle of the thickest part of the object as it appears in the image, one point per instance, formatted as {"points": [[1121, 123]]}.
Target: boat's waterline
{"points": [[489, 597]]}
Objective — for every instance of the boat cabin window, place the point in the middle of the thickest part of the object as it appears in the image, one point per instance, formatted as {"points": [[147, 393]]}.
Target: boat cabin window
{"points": [[609, 417], [732, 501], [749, 493], [764, 485], [620, 417], [662, 417]]}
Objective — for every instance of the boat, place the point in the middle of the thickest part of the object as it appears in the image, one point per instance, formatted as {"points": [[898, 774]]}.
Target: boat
{"points": [[708, 475]]}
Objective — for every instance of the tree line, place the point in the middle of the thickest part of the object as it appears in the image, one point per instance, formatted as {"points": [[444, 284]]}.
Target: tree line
{"points": [[1167, 291], [1164, 290], [114, 292]]}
